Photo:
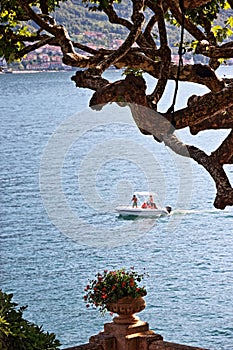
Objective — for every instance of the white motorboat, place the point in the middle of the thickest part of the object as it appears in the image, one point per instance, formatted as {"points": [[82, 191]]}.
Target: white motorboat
{"points": [[146, 207]]}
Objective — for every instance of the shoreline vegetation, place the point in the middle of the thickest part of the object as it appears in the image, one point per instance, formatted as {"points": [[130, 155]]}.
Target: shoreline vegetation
{"points": [[31, 71], [6, 70]]}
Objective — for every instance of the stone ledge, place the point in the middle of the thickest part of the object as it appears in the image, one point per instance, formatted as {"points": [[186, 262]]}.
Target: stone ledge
{"points": [[163, 345], [86, 347], [147, 341]]}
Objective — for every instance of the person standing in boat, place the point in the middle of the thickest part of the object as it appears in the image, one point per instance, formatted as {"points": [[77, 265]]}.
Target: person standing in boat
{"points": [[135, 201]]}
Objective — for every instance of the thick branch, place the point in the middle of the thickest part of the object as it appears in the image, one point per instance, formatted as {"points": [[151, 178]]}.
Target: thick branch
{"points": [[189, 26], [165, 57], [138, 19], [224, 154], [59, 32], [204, 107], [29, 48], [208, 50], [147, 32], [10, 34], [143, 40], [224, 194], [37, 18], [197, 73], [113, 18], [222, 120], [86, 79], [194, 3]]}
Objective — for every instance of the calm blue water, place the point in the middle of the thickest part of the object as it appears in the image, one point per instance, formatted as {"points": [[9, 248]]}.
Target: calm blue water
{"points": [[63, 171]]}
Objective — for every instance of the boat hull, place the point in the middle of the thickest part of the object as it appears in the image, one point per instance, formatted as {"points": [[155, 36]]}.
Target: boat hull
{"points": [[147, 212]]}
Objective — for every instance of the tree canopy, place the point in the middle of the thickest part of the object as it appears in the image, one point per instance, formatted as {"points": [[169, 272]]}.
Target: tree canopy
{"points": [[145, 49]]}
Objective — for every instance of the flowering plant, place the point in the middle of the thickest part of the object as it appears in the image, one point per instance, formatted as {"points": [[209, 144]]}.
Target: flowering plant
{"points": [[111, 286]]}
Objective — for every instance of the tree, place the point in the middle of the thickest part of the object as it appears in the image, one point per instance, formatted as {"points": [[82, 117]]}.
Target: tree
{"points": [[18, 333], [145, 49]]}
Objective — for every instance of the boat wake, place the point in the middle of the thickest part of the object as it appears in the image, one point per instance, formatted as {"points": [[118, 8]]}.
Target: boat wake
{"points": [[194, 211]]}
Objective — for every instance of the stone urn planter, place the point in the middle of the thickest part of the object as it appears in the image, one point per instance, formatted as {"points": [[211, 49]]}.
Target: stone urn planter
{"points": [[126, 308]]}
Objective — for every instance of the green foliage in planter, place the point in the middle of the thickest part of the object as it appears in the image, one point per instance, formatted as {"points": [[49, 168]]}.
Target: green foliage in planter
{"points": [[18, 333]]}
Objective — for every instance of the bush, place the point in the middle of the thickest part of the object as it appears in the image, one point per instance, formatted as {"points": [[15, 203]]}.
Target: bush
{"points": [[18, 333]]}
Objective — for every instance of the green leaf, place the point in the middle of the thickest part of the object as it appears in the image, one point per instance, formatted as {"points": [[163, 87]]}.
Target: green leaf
{"points": [[230, 21]]}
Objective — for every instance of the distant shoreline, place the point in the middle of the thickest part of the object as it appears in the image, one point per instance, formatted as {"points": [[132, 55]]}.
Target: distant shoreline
{"points": [[27, 71], [34, 71]]}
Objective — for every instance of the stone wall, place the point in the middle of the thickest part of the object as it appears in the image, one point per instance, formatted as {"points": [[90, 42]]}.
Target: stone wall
{"points": [[148, 345]]}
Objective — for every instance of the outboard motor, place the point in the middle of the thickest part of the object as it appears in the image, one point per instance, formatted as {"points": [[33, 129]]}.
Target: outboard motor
{"points": [[169, 209]]}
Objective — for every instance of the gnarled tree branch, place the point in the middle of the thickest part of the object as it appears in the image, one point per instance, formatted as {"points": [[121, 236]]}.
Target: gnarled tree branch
{"points": [[141, 51]]}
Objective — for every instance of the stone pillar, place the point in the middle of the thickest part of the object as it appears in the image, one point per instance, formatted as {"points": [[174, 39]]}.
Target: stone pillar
{"points": [[125, 336]]}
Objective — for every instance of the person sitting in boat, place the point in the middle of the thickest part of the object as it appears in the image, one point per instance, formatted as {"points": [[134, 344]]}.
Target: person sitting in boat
{"points": [[144, 205], [151, 204], [135, 201]]}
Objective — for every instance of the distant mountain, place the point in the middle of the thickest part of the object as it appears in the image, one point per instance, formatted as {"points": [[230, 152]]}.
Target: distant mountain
{"points": [[80, 23], [76, 17]]}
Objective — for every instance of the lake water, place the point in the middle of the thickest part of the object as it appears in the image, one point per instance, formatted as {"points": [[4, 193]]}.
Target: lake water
{"points": [[64, 168]]}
